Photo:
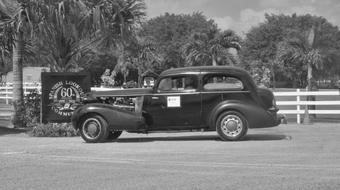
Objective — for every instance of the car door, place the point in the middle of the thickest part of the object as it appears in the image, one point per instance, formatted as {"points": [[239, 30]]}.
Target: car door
{"points": [[175, 104], [219, 87]]}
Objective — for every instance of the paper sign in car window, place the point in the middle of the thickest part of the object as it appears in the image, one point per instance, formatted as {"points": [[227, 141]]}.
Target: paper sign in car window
{"points": [[174, 101]]}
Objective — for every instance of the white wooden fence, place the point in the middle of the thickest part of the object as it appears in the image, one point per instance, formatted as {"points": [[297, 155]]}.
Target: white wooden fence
{"points": [[298, 103], [6, 90], [6, 93]]}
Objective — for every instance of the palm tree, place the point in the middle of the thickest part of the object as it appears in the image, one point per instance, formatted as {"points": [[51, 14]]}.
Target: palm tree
{"points": [[66, 35], [16, 21], [197, 50], [223, 43], [200, 50], [302, 49], [147, 58], [147, 55], [119, 21]]}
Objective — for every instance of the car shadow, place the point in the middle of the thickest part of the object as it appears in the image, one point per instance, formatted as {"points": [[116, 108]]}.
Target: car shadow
{"points": [[180, 138], [266, 137], [250, 137]]}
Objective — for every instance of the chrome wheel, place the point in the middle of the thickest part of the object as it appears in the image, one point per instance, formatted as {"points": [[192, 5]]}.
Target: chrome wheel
{"points": [[91, 128], [232, 125]]}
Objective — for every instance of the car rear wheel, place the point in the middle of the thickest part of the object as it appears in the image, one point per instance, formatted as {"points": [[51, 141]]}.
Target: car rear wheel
{"points": [[94, 129], [231, 125], [113, 135]]}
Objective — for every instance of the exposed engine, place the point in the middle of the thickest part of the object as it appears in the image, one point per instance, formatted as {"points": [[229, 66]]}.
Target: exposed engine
{"points": [[133, 104]]}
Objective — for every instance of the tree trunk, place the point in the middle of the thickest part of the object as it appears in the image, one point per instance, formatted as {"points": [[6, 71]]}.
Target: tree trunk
{"points": [[214, 64], [309, 76], [3, 59], [17, 118], [213, 60], [140, 85], [273, 75], [310, 87]]}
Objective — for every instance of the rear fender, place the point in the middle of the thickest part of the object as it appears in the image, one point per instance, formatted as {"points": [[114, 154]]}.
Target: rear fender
{"points": [[116, 118], [249, 111]]}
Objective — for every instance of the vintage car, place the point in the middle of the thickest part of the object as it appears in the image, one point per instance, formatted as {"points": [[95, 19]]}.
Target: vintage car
{"points": [[205, 98]]}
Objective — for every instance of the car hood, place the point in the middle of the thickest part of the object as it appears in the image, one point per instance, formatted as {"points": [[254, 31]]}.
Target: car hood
{"points": [[122, 92]]}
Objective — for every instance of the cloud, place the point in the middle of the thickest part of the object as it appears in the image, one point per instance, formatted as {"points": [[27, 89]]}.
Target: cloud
{"points": [[159, 7], [156, 8], [249, 18], [275, 3], [224, 23]]}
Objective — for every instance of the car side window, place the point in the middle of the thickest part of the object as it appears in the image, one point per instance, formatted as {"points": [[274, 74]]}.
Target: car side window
{"points": [[178, 83], [222, 82]]}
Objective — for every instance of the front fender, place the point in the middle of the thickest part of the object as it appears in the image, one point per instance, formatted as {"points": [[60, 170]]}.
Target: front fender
{"points": [[116, 118]]}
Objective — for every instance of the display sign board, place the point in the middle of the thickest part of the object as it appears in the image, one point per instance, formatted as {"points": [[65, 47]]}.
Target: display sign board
{"points": [[174, 101], [62, 94]]}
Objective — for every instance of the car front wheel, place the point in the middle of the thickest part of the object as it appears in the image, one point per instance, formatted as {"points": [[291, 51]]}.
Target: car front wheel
{"points": [[94, 129], [231, 125]]}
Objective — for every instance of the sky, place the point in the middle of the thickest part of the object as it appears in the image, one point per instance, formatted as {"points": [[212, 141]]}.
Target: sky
{"points": [[241, 15]]}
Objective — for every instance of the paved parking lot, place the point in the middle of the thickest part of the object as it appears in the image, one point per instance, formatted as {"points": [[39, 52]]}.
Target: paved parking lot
{"points": [[285, 157]]}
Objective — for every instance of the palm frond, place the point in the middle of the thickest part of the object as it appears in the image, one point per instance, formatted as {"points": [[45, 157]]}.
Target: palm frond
{"points": [[9, 8]]}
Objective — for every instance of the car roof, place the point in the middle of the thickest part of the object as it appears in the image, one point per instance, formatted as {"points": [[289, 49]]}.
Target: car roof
{"points": [[205, 69]]}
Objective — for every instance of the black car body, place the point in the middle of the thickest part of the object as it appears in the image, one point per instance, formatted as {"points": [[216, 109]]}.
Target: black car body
{"points": [[207, 98]]}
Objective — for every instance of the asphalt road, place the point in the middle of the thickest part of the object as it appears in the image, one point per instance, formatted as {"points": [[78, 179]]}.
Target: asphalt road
{"points": [[285, 157]]}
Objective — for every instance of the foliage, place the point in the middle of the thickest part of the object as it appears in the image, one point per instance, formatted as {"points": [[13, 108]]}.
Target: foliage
{"points": [[65, 37], [28, 111], [54, 130], [197, 50], [265, 45], [69, 35], [147, 56], [202, 49], [18, 118], [32, 108], [307, 49], [169, 32], [118, 22], [97, 66], [261, 76], [16, 28], [5, 64]]}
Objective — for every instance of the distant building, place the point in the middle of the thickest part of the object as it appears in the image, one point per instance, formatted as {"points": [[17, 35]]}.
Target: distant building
{"points": [[30, 75]]}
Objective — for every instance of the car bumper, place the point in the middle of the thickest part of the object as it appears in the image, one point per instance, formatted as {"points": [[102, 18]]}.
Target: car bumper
{"points": [[281, 119]]}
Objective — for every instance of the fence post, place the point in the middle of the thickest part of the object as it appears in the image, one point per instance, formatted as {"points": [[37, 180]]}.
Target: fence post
{"points": [[6, 88], [298, 119]]}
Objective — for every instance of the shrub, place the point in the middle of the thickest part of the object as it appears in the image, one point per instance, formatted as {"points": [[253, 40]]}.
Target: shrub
{"points": [[54, 130], [17, 118], [32, 108], [28, 112]]}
